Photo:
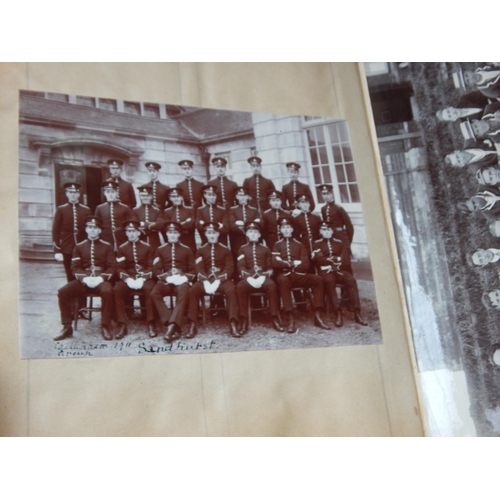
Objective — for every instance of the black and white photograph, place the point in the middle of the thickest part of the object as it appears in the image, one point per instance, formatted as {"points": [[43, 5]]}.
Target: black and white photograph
{"points": [[438, 129], [149, 228]]}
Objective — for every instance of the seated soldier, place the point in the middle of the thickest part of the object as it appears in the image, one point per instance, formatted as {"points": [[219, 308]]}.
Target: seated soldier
{"points": [[306, 224], [485, 202], [469, 106], [254, 264], [239, 215], [93, 265], [150, 218], [491, 300], [173, 266], [291, 263], [489, 176], [475, 155], [481, 257], [214, 267], [270, 218], [333, 263], [177, 212], [135, 272], [210, 213]]}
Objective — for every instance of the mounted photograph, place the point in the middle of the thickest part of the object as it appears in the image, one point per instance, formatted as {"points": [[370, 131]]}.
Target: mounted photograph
{"points": [[149, 229]]}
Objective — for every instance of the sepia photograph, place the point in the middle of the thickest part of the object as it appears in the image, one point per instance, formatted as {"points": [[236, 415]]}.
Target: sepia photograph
{"points": [[149, 228]]}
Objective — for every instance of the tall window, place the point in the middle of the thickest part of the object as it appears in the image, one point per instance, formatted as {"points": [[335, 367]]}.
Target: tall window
{"points": [[331, 160]]}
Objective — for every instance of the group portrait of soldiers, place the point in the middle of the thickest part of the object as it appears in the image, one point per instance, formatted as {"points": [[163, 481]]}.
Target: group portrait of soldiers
{"points": [[179, 245]]}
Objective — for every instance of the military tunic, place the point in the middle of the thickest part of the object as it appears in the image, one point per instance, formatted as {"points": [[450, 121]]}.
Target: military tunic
{"points": [[172, 259], [254, 260], [258, 188], [343, 228], [152, 224], [216, 215], [292, 190], [68, 229], [191, 192], [213, 262], [159, 193], [134, 260], [90, 258], [270, 222], [185, 217], [307, 229], [126, 193], [114, 215], [237, 235], [226, 191]]}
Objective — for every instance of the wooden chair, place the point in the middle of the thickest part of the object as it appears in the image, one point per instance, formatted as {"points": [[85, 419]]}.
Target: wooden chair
{"points": [[89, 308]]}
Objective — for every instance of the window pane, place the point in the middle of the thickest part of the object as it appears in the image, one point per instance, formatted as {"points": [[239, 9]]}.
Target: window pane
{"points": [[314, 157], [339, 169], [347, 152], [109, 104], [351, 175], [132, 107], [85, 101], [152, 110], [57, 97], [344, 196], [343, 132], [317, 176], [323, 156], [334, 136], [354, 193], [337, 154], [327, 176], [320, 136]]}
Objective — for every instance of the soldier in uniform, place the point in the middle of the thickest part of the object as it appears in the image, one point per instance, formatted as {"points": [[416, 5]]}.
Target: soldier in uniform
{"points": [[113, 215], [158, 190], [191, 188], [226, 188], [150, 218], [174, 267], [126, 194], [211, 213], [270, 218], [342, 226], [68, 226], [306, 223], [257, 186], [214, 267], [291, 263], [294, 188], [333, 262], [93, 265], [238, 218], [254, 264], [135, 272], [183, 215]]}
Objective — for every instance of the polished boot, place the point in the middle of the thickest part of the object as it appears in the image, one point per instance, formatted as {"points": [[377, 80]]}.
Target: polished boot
{"points": [[244, 326], [65, 333], [152, 330], [338, 317], [233, 329], [319, 322], [291, 323], [358, 318], [170, 333], [122, 331], [106, 333], [277, 325], [193, 330]]}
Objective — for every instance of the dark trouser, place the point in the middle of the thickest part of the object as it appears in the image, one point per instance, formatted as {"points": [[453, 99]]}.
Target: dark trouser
{"points": [[161, 290], [243, 289], [286, 283], [76, 289], [67, 266], [197, 292], [122, 292], [351, 288]]}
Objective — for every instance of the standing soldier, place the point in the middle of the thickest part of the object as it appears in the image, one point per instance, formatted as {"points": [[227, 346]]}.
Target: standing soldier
{"points": [[306, 223], [158, 190], [332, 260], [226, 188], [191, 188], [214, 267], [257, 186], [183, 215], [126, 193], [238, 218], [294, 188], [173, 266], [291, 263], [270, 218], [341, 222], [68, 226], [113, 215], [150, 218], [135, 272], [93, 265], [211, 213], [254, 264]]}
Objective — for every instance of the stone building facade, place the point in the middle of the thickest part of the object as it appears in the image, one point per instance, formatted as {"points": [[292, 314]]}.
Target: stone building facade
{"points": [[65, 138]]}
